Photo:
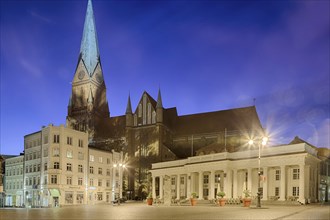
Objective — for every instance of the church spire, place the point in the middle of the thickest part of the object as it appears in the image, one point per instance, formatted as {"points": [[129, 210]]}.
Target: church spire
{"points": [[129, 106], [159, 100], [89, 49]]}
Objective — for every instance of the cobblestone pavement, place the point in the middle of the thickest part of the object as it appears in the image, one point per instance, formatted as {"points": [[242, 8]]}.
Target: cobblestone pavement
{"points": [[142, 211]]}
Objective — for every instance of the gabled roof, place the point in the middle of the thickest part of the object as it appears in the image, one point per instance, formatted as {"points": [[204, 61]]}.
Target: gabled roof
{"points": [[298, 140], [152, 100]]}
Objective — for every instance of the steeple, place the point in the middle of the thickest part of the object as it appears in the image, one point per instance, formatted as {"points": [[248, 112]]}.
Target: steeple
{"points": [[129, 106], [88, 105], [89, 49], [159, 100]]}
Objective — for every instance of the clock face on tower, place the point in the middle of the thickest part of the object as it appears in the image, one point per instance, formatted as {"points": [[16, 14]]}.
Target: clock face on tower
{"points": [[99, 77], [81, 75]]}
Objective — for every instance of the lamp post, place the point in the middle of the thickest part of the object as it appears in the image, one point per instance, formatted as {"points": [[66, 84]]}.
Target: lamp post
{"points": [[263, 142], [118, 188]]}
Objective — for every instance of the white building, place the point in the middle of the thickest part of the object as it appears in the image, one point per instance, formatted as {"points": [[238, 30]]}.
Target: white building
{"points": [[58, 168], [14, 181], [290, 172]]}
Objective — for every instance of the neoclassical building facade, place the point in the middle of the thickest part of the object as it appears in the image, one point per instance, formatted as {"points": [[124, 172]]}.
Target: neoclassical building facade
{"points": [[59, 168], [289, 172]]}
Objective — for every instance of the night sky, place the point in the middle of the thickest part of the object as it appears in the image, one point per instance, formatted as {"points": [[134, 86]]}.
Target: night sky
{"points": [[204, 55]]}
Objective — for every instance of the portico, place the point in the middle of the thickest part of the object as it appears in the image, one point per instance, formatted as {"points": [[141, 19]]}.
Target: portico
{"points": [[286, 174]]}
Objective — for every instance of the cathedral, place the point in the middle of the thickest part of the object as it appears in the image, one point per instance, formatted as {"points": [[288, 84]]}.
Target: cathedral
{"points": [[149, 133]]}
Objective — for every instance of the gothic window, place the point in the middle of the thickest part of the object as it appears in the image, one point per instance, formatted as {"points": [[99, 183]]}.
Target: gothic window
{"points": [[140, 110], [149, 114], [135, 120], [144, 110], [153, 121]]}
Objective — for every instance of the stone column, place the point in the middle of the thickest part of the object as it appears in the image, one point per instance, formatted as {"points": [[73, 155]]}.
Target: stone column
{"points": [[302, 183], [282, 184], [178, 186], [200, 185], [153, 187], [249, 181], [161, 183], [189, 179], [211, 193], [235, 183], [265, 184], [228, 184]]}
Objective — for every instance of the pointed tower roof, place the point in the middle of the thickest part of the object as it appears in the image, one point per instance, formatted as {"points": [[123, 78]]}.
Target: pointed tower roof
{"points": [[159, 100], [129, 106], [89, 49]]}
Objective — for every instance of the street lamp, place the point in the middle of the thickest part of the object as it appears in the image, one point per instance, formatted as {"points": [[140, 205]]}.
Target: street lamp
{"points": [[263, 142], [117, 188]]}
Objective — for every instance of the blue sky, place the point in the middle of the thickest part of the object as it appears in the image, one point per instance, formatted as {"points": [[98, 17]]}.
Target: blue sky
{"points": [[204, 55]]}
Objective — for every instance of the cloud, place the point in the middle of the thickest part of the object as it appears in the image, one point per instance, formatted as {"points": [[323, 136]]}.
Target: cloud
{"points": [[40, 17], [30, 67]]}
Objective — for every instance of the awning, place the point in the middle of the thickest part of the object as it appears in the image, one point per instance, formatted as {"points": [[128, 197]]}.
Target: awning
{"points": [[55, 192]]}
